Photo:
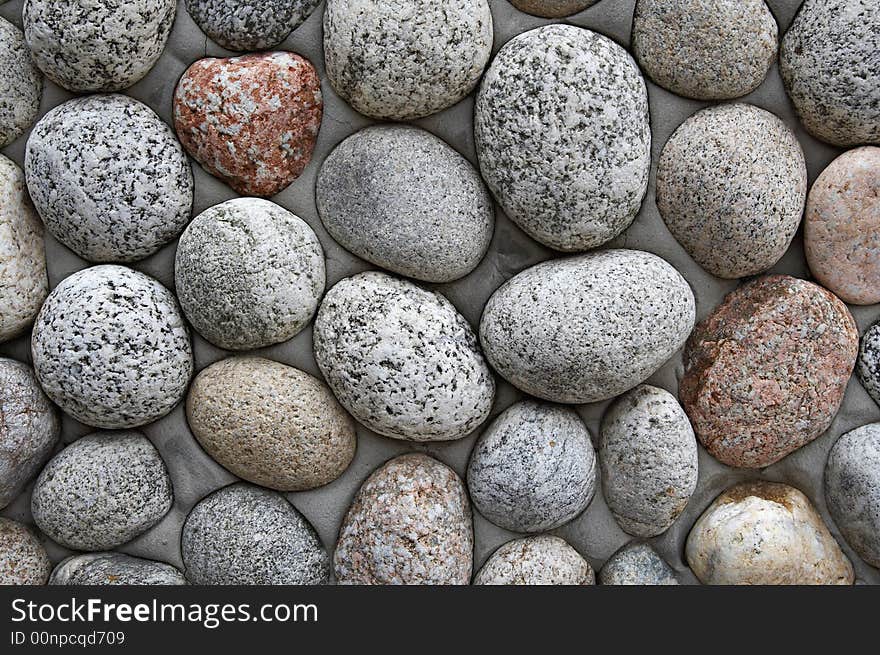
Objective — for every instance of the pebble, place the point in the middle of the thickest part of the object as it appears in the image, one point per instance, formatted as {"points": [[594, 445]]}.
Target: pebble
{"points": [[86, 46], [403, 199], [109, 178], [246, 535], [829, 59], [29, 428], [251, 121], [852, 490], [540, 560], [731, 187], [114, 569], [842, 227], [533, 469], [587, 328], [249, 274], [766, 371], [407, 59], [270, 424], [764, 533], [102, 491], [868, 366], [410, 523], [563, 137], [247, 25], [648, 458], [111, 348], [401, 359], [552, 8], [21, 84], [639, 565], [23, 559], [705, 49]]}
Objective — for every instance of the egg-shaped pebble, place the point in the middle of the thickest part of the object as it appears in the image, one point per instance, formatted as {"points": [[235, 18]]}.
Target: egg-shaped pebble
{"points": [[639, 565], [868, 365], [404, 200], [401, 359], [23, 559], [731, 187], [587, 328], [552, 8], [249, 24], [410, 523], [249, 274], [105, 569], [21, 84], [540, 560]]}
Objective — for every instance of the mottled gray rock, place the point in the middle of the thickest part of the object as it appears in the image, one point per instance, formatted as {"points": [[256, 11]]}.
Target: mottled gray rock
{"points": [[23, 560], [101, 491], [246, 535], [401, 359], [249, 274], [563, 138], [404, 200], [111, 348], [109, 178], [587, 328], [249, 24], [21, 84], [731, 187], [637, 564], [541, 560], [868, 366], [406, 59], [533, 469], [114, 569], [552, 8]]}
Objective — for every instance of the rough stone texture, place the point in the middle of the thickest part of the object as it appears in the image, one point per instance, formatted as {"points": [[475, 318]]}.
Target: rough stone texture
{"points": [[637, 564], [270, 423], [648, 458], [111, 348], [109, 178], [587, 328], [541, 560], [842, 227], [410, 523], [533, 469], [404, 200], [830, 62], [705, 49], [731, 187], [252, 121], [868, 367], [23, 560], [249, 24], [766, 371], [249, 274], [563, 138], [246, 535], [114, 569], [552, 8], [88, 46], [401, 359], [21, 84], [29, 428], [763, 533], [852, 490], [101, 491]]}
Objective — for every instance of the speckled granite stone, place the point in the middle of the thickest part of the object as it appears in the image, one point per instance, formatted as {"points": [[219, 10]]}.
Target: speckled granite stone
{"points": [[552, 8], [637, 564], [249, 24], [405, 59], [104, 569], [111, 348], [109, 178], [23, 560], [21, 84], [410, 523], [587, 328], [868, 367], [731, 187], [562, 134], [541, 560], [401, 359], [766, 371], [249, 274], [404, 200]]}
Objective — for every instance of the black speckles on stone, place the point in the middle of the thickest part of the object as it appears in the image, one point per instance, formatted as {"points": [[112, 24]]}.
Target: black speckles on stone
{"points": [[868, 366], [114, 569], [246, 25], [637, 564], [21, 84]]}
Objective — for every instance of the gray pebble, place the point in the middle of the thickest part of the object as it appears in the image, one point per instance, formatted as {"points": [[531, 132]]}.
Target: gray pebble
{"points": [[114, 569], [404, 200], [21, 84], [552, 8], [637, 564], [23, 559], [868, 366], [540, 560], [249, 24]]}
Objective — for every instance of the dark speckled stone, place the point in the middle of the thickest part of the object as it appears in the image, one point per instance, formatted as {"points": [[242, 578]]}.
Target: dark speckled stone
{"points": [[637, 564], [249, 24], [114, 569], [21, 84], [552, 8]]}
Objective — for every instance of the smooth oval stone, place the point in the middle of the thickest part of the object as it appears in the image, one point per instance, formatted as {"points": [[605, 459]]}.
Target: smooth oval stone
{"points": [[249, 24], [764, 533], [23, 559], [21, 84], [404, 200], [100, 569], [540, 560], [401, 359], [868, 366], [637, 564], [552, 8], [410, 523], [587, 328]]}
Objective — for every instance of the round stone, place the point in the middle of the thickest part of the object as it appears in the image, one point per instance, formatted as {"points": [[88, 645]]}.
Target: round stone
{"points": [[249, 24], [637, 564], [21, 84], [410, 523], [103, 569], [563, 138], [842, 227], [731, 187], [766, 371], [270, 424], [401, 359], [587, 328], [552, 8], [868, 367], [541, 560], [533, 469], [249, 274], [246, 535], [407, 59], [111, 348], [102, 491], [23, 560], [109, 178], [404, 200]]}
